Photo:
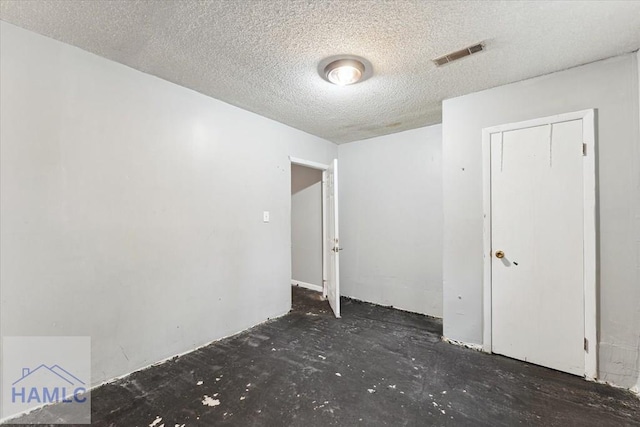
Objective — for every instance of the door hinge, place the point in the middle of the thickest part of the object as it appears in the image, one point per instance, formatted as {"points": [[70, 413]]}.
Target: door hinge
{"points": [[584, 149], [586, 345]]}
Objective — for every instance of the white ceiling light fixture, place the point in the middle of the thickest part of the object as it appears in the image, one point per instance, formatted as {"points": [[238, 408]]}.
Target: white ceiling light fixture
{"points": [[344, 70]]}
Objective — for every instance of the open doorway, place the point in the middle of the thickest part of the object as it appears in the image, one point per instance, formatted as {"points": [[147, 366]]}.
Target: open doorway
{"points": [[314, 230], [306, 227]]}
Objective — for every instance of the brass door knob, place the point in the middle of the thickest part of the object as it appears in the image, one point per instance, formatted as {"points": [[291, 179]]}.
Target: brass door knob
{"points": [[499, 254]]}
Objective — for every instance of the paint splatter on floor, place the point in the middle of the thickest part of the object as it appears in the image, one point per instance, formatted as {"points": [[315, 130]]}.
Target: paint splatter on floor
{"points": [[156, 421], [208, 401]]}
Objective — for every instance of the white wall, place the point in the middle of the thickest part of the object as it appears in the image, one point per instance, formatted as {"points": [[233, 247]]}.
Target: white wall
{"points": [[306, 225], [609, 86], [637, 387], [391, 220], [132, 207]]}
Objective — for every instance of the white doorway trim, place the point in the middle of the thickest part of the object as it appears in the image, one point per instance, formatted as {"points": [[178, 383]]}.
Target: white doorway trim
{"points": [[589, 250], [309, 164], [323, 168]]}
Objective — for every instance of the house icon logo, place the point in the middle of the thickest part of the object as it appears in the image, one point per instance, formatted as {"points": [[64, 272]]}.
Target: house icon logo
{"points": [[46, 371], [48, 384]]}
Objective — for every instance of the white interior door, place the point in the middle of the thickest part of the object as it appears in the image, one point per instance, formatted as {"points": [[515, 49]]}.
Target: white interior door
{"points": [[332, 247], [537, 241]]}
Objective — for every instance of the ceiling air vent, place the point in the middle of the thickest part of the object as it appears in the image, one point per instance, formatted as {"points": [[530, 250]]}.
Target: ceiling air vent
{"points": [[454, 56]]}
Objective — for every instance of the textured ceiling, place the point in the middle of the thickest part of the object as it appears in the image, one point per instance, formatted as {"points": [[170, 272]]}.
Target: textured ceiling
{"points": [[263, 55]]}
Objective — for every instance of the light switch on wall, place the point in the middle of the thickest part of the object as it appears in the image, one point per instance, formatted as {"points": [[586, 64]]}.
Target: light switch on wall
{"points": [[265, 216]]}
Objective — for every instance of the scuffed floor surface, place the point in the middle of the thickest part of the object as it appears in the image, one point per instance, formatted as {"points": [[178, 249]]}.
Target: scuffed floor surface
{"points": [[374, 367]]}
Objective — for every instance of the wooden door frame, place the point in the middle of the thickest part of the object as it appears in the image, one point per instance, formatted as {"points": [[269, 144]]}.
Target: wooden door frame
{"points": [[589, 232], [322, 167]]}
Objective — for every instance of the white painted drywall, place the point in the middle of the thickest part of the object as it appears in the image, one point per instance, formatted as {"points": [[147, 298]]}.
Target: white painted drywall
{"points": [[391, 220], [637, 387], [306, 225], [610, 86], [132, 207]]}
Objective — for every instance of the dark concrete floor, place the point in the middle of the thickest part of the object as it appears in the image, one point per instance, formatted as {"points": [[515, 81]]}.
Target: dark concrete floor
{"points": [[374, 367]]}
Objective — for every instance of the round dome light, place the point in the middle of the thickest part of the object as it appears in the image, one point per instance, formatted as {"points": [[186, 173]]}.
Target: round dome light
{"points": [[344, 72]]}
